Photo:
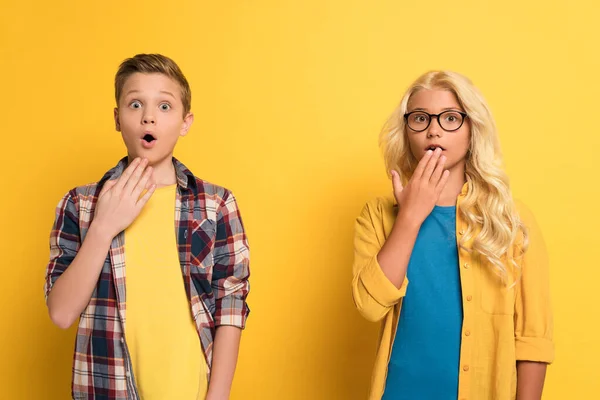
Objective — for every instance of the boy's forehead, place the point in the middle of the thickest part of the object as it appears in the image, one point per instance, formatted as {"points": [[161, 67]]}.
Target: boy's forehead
{"points": [[139, 82]]}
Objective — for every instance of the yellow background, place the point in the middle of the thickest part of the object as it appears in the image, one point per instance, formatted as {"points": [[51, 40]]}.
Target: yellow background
{"points": [[289, 98]]}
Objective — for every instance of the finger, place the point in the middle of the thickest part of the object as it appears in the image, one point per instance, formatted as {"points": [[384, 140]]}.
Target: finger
{"points": [[143, 183], [135, 177], [439, 169], [442, 182], [396, 182], [126, 174], [421, 166], [106, 187], [144, 199], [431, 164]]}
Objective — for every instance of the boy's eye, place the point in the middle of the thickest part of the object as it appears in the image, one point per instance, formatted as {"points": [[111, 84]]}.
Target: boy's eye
{"points": [[135, 104], [165, 107]]}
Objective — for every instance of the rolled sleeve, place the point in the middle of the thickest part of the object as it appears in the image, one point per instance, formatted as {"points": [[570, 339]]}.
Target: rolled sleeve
{"points": [[533, 313], [373, 293], [231, 268]]}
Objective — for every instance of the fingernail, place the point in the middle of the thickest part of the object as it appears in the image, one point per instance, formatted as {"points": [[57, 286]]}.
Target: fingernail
{"points": [[429, 152]]}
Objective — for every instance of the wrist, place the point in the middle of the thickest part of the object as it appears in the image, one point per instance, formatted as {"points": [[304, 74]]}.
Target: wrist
{"points": [[98, 231], [408, 220]]}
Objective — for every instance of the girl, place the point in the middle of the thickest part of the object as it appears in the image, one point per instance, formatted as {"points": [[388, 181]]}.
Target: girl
{"points": [[475, 321]]}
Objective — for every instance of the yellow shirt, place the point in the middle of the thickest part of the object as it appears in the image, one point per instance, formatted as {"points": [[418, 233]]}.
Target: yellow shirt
{"points": [[500, 325], [167, 359]]}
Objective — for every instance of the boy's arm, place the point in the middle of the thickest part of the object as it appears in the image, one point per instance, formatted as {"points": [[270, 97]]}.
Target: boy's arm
{"points": [[74, 268], [230, 285], [225, 354]]}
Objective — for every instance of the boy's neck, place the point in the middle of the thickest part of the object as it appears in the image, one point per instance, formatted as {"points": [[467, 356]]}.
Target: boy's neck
{"points": [[456, 181], [164, 172]]}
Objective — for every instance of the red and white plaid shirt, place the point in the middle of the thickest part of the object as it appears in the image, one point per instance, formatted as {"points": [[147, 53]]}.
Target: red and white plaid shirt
{"points": [[214, 258]]}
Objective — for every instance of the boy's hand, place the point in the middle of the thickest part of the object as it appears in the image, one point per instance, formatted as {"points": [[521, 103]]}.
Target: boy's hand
{"points": [[119, 202], [418, 198]]}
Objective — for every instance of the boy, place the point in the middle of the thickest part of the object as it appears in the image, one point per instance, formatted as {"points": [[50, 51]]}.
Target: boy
{"points": [[144, 332]]}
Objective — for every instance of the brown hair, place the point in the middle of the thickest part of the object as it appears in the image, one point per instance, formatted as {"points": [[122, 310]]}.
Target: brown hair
{"points": [[157, 64]]}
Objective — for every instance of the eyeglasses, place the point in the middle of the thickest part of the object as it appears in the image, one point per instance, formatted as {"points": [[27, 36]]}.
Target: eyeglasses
{"points": [[450, 121]]}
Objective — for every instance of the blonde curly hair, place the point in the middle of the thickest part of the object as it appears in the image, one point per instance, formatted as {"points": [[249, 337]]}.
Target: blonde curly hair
{"points": [[493, 223]]}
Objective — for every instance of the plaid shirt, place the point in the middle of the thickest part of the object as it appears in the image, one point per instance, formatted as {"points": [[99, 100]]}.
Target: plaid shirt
{"points": [[214, 258]]}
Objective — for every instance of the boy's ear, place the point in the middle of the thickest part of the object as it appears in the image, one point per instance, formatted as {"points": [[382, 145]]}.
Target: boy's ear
{"points": [[117, 123], [187, 123]]}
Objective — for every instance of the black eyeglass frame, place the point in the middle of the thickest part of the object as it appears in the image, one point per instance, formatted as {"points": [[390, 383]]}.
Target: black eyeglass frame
{"points": [[437, 116]]}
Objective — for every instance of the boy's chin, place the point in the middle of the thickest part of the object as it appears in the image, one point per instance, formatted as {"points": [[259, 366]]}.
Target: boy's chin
{"points": [[153, 157]]}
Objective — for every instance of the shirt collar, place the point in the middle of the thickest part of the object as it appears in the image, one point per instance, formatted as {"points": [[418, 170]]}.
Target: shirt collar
{"points": [[183, 174]]}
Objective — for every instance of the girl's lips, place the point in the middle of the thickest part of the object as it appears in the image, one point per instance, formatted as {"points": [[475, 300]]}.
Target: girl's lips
{"points": [[433, 147]]}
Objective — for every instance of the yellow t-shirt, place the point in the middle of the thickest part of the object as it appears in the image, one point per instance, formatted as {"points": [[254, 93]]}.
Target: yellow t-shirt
{"points": [[168, 362]]}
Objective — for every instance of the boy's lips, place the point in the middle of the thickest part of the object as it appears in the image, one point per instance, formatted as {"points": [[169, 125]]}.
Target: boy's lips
{"points": [[148, 140], [148, 145]]}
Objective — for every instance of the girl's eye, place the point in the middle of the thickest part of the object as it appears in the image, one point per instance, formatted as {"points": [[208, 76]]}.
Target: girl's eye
{"points": [[135, 104], [165, 107], [420, 118]]}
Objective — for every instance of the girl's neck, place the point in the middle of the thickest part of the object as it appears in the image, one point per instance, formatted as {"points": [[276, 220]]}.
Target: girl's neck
{"points": [[453, 187]]}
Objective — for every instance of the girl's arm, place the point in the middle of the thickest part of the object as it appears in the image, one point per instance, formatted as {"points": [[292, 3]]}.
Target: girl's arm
{"points": [[530, 380], [534, 347], [380, 264]]}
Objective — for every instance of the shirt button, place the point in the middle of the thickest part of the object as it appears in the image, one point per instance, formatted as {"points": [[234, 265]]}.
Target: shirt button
{"points": [[469, 298], [465, 368], [127, 373], [122, 340], [467, 333]]}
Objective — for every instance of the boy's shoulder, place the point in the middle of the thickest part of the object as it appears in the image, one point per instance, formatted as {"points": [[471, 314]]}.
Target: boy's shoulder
{"points": [[212, 195], [200, 187]]}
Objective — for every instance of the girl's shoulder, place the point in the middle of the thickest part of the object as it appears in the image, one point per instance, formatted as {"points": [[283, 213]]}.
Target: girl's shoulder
{"points": [[380, 209]]}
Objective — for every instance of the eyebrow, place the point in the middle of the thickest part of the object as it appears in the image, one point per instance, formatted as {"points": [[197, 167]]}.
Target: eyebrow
{"points": [[168, 93], [443, 109], [162, 91]]}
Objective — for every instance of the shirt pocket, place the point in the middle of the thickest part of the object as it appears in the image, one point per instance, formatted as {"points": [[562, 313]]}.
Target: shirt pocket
{"points": [[496, 297], [202, 243]]}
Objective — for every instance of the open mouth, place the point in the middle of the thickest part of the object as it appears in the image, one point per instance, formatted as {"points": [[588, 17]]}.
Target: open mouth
{"points": [[434, 146], [148, 138]]}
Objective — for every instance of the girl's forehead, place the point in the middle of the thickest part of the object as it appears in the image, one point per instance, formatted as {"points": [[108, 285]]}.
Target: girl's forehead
{"points": [[433, 98]]}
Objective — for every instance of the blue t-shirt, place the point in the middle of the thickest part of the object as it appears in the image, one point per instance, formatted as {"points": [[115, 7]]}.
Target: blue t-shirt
{"points": [[425, 357]]}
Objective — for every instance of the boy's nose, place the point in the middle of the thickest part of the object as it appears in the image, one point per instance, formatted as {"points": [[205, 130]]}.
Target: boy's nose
{"points": [[148, 120]]}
